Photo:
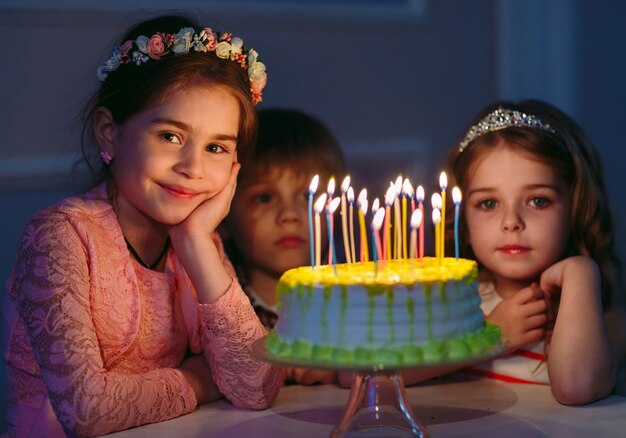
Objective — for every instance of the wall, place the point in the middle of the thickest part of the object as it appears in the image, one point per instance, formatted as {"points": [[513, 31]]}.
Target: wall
{"points": [[396, 81]]}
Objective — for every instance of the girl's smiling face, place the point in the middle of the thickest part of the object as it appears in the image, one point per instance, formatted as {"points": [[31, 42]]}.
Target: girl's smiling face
{"points": [[517, 217], [170, 158]]}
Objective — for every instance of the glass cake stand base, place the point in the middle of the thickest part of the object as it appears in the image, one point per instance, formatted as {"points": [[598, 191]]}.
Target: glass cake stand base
{"points": [[377, 405]]}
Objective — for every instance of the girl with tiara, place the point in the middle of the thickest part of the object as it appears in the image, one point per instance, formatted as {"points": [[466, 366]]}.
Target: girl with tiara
{"points": [[122, 307], [537, 220]]}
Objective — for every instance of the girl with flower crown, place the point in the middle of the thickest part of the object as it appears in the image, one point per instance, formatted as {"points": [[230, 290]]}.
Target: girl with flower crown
{"points": [[537, 220], [122, 307]]}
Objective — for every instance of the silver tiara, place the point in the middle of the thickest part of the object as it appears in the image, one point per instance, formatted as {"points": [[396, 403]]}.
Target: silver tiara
{"points": [[503, 118]]}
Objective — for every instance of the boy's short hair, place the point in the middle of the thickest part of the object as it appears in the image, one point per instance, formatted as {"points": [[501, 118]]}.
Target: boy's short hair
{"points": [[292, 138]]}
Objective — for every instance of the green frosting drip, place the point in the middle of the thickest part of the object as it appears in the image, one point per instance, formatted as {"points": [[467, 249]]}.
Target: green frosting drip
{"points": [[442, 294], [392, 330], [429, 310], [472, 277], [327, 294], [411, 311]]}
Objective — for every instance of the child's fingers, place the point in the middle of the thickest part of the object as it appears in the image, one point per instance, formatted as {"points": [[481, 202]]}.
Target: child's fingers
{"points": [[528, 294], [535, 308], [533, 335], [535, 321]]}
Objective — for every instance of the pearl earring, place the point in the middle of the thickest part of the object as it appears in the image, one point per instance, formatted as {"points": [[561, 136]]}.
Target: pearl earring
{"points": [[106, 157]]}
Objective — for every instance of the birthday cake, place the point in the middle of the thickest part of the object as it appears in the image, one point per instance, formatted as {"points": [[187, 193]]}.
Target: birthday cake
{"points": [[396, 312]]}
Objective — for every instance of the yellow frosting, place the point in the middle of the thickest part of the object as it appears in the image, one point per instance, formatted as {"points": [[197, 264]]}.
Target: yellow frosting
{"points": [[388, 272]]}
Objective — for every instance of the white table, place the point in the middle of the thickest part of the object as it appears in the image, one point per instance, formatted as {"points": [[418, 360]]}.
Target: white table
{"points": [[449, 407]]}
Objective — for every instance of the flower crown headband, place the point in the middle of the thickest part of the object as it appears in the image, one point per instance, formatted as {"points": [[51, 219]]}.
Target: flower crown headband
{"points": [[503, 118], [224, 45]]}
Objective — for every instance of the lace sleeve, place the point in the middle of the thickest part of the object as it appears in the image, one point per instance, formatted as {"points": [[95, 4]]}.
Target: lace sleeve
{"points": [[229, 327], [232, 326], [50, 288]]}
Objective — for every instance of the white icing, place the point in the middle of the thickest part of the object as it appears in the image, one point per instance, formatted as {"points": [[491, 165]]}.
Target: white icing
{"points": [[374, 320]]}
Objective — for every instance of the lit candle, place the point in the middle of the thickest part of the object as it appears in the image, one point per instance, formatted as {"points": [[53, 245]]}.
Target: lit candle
{"points": [[443, 184], [344, 218], [410, 193], [397, 187], [330, 210], [376, 224], [362, 204], [318, 207], [350, 196], [407, 193], [416, 222], [419, 197], [435, 202], [375, 206], [312, 189], [436, 223], [330, 189], [456, 199], [389, 197]]}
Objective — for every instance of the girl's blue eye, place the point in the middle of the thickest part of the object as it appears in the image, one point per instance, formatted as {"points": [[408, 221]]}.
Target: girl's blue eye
{"points": [[214, 148], [487, 204], [539, 202]]}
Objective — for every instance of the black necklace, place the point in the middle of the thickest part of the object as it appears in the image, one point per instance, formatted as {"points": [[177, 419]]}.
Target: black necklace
{"points": [[157, 261]]}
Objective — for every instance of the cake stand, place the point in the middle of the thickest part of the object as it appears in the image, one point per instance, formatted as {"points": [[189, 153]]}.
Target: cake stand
{"points": [[377, 404]]}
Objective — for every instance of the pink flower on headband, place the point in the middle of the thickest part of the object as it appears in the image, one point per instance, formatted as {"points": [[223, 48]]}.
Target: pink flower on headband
{"points": [[209, 38], [156, 47], [257, 87]]}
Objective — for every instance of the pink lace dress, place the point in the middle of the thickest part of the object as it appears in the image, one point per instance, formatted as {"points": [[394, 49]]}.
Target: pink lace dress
{"points": [[93, 339]]}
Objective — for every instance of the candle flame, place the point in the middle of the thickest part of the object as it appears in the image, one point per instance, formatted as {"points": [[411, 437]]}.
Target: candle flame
{"points": [[332, 205], [377, 222], [390, 196], [419, 194], [313, 186], [416, 219], [456, 195], [331, 187], [398, 184], [407, 188], [363, 206], [362, 196], [436, 216], [350, 195], [436, 201], [443, 180], [320, 203], [345, 184], [375, 205]]}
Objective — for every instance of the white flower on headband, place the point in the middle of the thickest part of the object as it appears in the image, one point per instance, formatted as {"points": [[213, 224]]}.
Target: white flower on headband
{"points": [[187, 39], [256, 71], [223, 50]]}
